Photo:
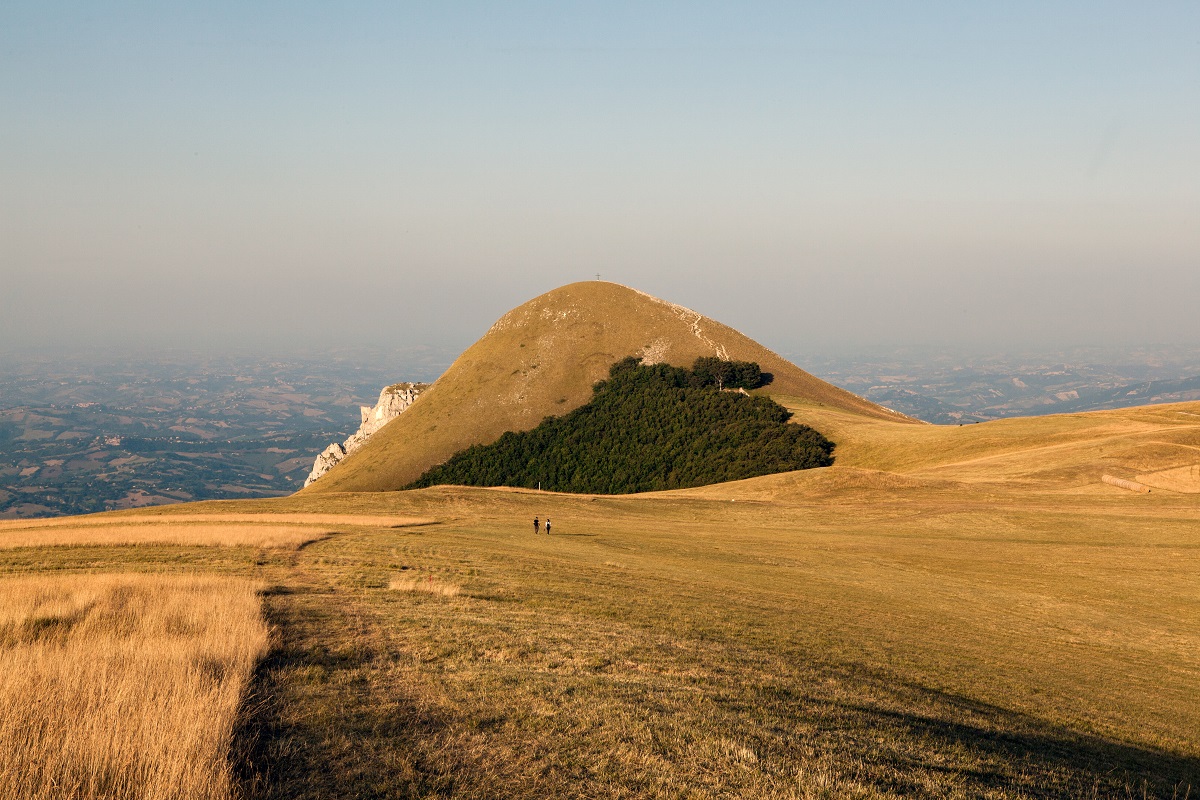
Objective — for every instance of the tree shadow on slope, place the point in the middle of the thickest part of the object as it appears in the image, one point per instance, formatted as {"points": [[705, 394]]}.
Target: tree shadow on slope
{"points": [[324, 720]]}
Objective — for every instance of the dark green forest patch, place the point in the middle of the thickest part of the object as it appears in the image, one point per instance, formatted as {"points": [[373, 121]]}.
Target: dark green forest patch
{"points": [[648, 428]]}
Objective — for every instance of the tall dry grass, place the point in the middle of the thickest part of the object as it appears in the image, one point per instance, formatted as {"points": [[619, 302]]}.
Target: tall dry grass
{"points": [[282, 531], [428, 584], [123, 686], [174, 517], [285, 537]]}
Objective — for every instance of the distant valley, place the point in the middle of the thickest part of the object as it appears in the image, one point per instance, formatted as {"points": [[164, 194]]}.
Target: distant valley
{"points": [[948, 389], [113, 432]]}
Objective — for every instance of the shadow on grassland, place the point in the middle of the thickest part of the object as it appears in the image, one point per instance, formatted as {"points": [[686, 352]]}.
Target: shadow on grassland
{"points": [[308, 727], [999, 753], [315, 726]]}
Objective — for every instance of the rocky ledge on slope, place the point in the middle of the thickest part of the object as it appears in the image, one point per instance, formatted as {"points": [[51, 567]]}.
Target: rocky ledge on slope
{"points": [[393, 401]]}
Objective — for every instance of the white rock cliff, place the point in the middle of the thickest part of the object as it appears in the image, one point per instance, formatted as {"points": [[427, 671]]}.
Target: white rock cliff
{"points": [[393, 401]]}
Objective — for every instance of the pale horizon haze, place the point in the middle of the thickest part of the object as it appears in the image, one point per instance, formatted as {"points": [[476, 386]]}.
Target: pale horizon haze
{"points": [[825, 178]]}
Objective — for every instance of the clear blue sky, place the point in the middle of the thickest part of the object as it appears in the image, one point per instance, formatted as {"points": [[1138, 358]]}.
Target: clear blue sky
{"points": [[825, 178]]}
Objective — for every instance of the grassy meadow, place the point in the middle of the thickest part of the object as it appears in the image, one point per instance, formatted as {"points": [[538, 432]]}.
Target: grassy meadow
{"points": [[950, 646], [947, 612], [127, 644], [278, 531]]}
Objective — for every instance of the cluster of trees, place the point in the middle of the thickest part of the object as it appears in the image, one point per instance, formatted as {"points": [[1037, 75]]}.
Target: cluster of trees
{"points": [[647, 428], [712, 371]]}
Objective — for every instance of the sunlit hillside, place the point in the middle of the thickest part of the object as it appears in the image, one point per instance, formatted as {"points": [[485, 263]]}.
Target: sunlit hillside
{"points": [[542, 358], [1155, 445]]}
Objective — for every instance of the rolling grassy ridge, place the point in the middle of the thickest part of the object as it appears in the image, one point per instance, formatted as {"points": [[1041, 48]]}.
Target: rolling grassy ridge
{"points": [[932, 630]]}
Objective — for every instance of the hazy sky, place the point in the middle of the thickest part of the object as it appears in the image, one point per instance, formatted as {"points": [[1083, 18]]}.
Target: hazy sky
{"points": [[990, 175]]}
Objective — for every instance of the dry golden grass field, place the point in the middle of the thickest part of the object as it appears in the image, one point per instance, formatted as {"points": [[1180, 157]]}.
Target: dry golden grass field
{"points": [[118, 686], [947, 612], [287, 531]]}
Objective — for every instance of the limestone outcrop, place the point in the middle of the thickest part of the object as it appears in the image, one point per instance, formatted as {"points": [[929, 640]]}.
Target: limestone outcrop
{"points": [[393, 401]]}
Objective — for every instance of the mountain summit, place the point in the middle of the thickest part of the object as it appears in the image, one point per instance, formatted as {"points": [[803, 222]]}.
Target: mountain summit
{"points": [[542, 359]]}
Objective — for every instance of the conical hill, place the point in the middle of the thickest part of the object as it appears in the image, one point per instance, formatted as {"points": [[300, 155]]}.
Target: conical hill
{"points": [[541, 359]]}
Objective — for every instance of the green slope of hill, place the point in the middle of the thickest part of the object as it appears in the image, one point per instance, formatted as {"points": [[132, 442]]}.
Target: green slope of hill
{"points": [[541, 359], [647, 428]]}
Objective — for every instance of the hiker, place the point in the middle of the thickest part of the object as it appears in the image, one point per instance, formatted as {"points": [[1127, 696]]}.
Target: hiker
{"points": [[537, 526], [547, 526]]}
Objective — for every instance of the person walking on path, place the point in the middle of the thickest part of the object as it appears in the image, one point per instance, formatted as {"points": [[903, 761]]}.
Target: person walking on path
{"points": [[547, 526], [537, 526]]}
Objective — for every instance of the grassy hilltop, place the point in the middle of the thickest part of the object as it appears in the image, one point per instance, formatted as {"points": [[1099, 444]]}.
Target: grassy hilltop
{"points": [[947, 612], [541, 359]]}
